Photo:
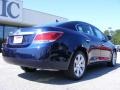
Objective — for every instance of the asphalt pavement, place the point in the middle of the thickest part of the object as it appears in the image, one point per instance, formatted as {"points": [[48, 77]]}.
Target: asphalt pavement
{"points": [[97, 77]]}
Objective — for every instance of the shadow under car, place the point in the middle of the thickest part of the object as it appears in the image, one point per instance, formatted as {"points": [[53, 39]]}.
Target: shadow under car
{"points": [[58, 78]]}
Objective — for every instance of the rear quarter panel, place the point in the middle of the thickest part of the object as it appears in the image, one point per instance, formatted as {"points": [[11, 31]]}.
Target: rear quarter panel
{"points": [[71, 40]]}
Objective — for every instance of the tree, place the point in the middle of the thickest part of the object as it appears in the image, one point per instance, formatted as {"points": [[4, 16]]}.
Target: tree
{"points": [[106, 32], [115, 35]]}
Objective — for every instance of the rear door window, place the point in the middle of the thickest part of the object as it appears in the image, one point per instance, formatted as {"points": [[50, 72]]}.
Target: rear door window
{"points": [[85, 29]]}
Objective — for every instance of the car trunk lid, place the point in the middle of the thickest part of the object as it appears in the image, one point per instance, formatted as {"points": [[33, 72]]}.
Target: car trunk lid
{"points": [[21, 38]]}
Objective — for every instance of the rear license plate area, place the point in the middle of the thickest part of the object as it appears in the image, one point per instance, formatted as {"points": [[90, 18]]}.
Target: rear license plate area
{"points": [[17, 39]]}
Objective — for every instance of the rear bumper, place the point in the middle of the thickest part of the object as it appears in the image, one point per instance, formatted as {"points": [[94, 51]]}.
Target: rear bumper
{"points": [[41, 64], [42, 58]]}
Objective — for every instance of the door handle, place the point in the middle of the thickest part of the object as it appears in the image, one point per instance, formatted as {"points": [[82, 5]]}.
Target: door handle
{"points": [[102, 45], [88, 41]]}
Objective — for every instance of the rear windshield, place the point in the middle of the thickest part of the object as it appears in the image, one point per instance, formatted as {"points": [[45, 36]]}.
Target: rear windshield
{"points": [[66, 25]]}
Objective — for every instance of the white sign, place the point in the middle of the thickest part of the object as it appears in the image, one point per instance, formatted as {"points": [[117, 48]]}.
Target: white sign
{"points": [[11, 10]]}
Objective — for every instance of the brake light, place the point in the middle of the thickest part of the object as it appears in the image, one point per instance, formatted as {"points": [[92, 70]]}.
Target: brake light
{"points": [[48, 36]]}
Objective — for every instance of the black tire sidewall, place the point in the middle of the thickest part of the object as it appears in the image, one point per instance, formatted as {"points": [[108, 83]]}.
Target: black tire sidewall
{"points": [[27, 69], [111, 62], [112, 58], [71, 67]]}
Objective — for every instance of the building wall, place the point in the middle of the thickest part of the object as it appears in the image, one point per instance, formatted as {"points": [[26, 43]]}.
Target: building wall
{"points": [[39, 18], [13, 13], [32, 18]]}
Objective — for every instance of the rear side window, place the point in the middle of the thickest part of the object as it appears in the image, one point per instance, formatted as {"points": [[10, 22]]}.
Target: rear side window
{"points": [[90, 30], [67, 26], [79, 28], [85, 29]]}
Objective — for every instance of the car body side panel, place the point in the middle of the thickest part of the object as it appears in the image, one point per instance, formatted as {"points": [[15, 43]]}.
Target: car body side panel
{"points": [[93, 51], [106, 50]]}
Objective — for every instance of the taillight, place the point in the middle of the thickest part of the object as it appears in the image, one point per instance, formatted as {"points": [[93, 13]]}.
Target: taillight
{"points": [[48, 36]]}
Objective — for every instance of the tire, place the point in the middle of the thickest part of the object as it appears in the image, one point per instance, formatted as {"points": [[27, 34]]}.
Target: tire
{"points": [[77, 66], [112, 63], [27, 69]]}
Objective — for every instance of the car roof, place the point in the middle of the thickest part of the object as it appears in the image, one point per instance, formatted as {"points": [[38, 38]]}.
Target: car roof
{"points": [[62, 23], [72, 22], [67, 24]]}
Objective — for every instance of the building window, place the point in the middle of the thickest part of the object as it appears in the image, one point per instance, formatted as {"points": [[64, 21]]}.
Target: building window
{"points": [[1, 33], [5, 31], [1, 36]]}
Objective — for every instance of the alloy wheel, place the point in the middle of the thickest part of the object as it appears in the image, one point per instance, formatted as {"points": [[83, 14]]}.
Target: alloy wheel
{"points": [[79, 65]]}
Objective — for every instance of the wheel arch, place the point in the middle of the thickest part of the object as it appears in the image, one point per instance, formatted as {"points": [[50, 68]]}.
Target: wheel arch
{"points": [[114, 50], [83, 49]]}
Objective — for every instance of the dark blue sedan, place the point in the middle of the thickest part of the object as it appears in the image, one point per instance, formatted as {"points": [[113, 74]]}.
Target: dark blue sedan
{"points": [[69, 46]]}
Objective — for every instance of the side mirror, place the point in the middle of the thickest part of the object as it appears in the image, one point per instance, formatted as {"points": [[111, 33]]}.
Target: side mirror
{"points": [[109, 37]]}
